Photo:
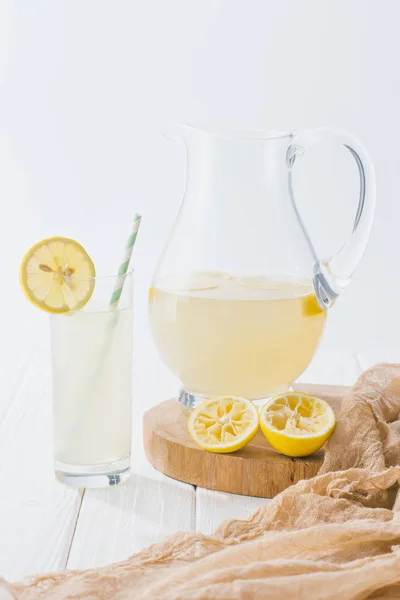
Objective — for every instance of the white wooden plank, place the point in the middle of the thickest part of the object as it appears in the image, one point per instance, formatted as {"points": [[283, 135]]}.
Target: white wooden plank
{"points": [[214, 507], [117, 522], [369, 358], [37, 514]]}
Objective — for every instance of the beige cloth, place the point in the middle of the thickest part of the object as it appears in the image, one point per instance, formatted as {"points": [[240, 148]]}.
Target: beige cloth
{"points": [[334, 536]]}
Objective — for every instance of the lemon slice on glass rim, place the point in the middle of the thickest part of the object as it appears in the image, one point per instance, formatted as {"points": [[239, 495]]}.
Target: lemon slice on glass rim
{"points": [[224, 423], [297, 424], [57, 275]]}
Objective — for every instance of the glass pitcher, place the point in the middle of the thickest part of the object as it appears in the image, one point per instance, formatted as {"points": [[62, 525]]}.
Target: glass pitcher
{"points": [[239, 299]]}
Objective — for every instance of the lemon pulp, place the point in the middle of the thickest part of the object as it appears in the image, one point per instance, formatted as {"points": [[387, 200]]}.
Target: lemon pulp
{"points": [[296, 424], [224, 424]]}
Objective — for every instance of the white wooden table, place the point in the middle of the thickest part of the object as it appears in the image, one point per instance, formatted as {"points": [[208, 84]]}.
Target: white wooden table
{"points": [[46, 526]]}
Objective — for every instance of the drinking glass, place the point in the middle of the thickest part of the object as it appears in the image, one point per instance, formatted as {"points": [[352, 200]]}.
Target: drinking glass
{"points": [[92, 361]]}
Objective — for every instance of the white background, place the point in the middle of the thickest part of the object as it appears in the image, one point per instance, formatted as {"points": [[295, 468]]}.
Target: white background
{"points": [[87, 87]]}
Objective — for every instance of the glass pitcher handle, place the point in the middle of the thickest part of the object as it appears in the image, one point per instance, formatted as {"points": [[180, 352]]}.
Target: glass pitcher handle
{"points": [[333, 274]]}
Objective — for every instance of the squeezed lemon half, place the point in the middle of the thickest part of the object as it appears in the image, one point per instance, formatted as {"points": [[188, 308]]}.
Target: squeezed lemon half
{"points": [[57, 275], [224, 423], [297, 424]]}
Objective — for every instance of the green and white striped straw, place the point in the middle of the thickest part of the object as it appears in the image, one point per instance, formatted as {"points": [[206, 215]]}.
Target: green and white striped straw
{"points": [[119, 284]]}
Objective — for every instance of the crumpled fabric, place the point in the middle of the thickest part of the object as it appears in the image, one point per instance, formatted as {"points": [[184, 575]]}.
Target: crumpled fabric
{"points": [[334, 536]]}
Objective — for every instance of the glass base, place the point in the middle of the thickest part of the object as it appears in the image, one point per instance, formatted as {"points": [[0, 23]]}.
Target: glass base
{"points": [[93, 476], [190, 401]]}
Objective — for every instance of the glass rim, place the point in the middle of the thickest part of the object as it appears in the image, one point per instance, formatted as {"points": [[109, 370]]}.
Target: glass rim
{"points": [[230, 132], [103, 277]]}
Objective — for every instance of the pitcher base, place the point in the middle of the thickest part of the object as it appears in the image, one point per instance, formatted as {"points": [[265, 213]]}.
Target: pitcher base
{"points": [[190, 400]]}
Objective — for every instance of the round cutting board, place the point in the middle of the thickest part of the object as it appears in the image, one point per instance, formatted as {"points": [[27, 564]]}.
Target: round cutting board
{"points": [[256, 470]]}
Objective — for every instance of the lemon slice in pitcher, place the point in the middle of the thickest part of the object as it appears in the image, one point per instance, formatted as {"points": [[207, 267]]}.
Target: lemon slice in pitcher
{"points": [[57, 275], [194, 281], [297, 424], [224, 423]]}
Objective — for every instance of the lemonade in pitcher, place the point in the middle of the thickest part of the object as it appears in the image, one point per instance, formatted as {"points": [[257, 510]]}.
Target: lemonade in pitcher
{"points": [[251, 336]]}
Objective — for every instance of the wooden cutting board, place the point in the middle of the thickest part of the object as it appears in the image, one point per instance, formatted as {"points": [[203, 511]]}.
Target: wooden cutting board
{"points": [[256, 470]]}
